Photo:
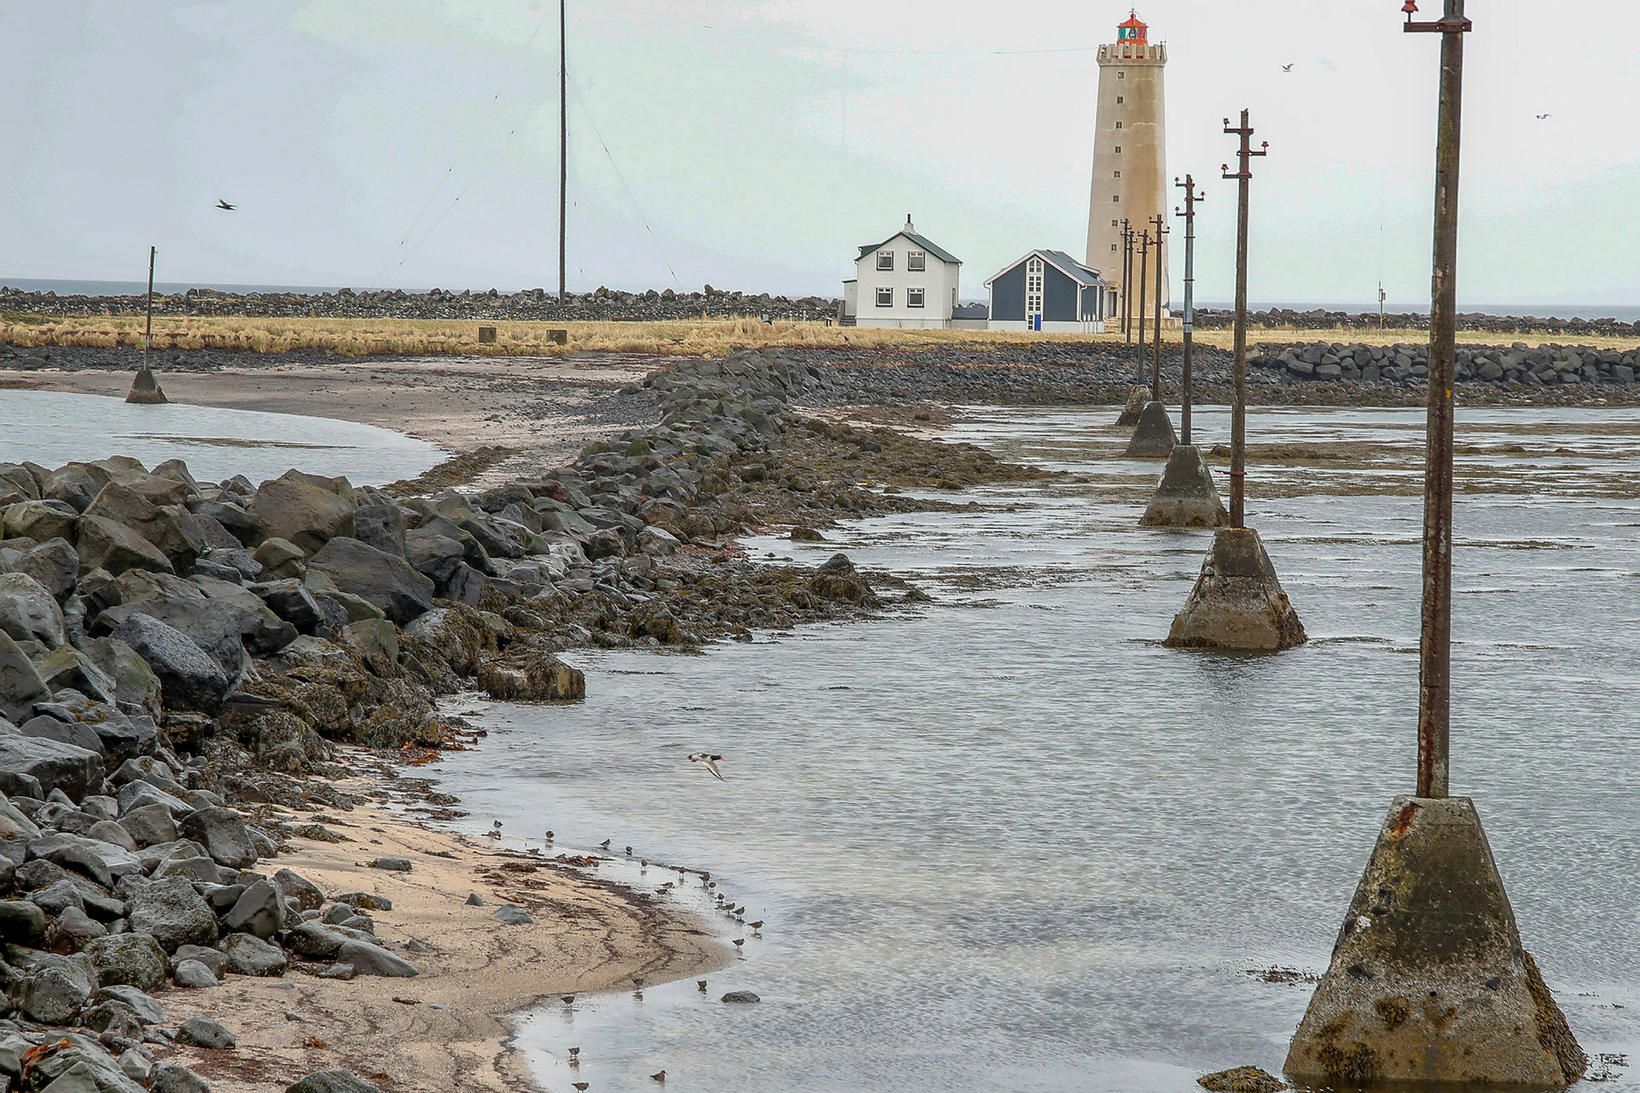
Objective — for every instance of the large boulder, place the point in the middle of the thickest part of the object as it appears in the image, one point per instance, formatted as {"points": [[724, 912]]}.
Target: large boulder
{"points": [[250, 955], [69, 669], [305, 509], [332, 1081], [53, 990], [54, 563], [29, 611], [51, 764], [20, 683], [188, 676], [174, 912], [110, 545], [299, 892], [384, 580], [134, 960], [169, 527], [259, 911], [103, 862], [40, 520], [134, 681], [223, 834], [368, 959]]}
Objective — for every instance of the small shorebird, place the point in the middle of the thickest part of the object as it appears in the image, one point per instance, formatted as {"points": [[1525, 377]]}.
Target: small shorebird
{"points": [[757, 927], [569, 1000], [549, 836], [629, 851], [738, 942], [581, 1087], [604, 845], [224, 206], [658, 1076], [700, 985], [495, 830], [711, 762]]}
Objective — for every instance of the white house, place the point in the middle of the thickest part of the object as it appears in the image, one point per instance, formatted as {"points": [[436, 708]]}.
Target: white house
{"points": [[1048, 291], [906, 280]]}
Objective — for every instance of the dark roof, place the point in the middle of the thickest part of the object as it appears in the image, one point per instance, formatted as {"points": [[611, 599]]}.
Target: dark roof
{"points": [[971, 311], [922, 241], [1086, 274]]}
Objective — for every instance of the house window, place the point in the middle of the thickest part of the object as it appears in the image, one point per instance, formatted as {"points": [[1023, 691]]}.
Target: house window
{"points": [[1118, 174], [1118, 149], [1115, 223], [1113, 248], [1120, 100], [885, 259], [885, 297], [916, 260], [1121, 75], [913, 297], [1116, 197], [1118, 125]]}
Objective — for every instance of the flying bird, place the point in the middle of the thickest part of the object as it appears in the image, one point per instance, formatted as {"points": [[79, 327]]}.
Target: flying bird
{"points": [[1288, 68], [224, 206], [711, 762], [1544, 117]]}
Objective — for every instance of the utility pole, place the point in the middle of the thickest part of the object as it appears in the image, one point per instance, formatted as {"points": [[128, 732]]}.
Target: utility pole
{"points": [[1435, 643], [1189, 214], [563, 148], [1127, 280], [1238, 417], [1144, 276], [148, 329], [1156, 328]]}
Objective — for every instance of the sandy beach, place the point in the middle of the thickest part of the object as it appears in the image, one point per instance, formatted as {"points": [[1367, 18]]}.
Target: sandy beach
{"points": [[449, 1027]]}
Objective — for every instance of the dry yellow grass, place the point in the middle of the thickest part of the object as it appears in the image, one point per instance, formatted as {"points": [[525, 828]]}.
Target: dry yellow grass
{"points": [[704, 337]]}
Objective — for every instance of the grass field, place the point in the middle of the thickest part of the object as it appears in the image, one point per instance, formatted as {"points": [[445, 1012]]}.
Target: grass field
{"points": [[711, 337]]}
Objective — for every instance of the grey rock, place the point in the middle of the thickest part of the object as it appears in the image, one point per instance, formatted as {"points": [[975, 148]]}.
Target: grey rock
{"points": [[173, 912], [305, 509], [344, 972], [513, 916], [75, 771], [133, 960], [40, 520], [315, 941], [22, 922], [74, 929], [332, 1081], [223, 834], [53, 563], [171, 1078], [148, 1011], [259, 911], [741, 997], [206, 1033], [109, 545], [103, 862], [248, 955], [299, 892], [213, 959], [149, 824], [110, 832], [384, 580], [188, 676], [53, 990], [20, 684], [368, 959], [194, 975], [392, 865]]}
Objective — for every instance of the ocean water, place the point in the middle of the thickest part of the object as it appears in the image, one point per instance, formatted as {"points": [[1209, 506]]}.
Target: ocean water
{"points": [[51, 428], [1010, 842], [140, 288]]}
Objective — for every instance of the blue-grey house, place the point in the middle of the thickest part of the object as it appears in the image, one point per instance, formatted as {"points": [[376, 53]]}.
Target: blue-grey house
{"points": [[1048, 291]]}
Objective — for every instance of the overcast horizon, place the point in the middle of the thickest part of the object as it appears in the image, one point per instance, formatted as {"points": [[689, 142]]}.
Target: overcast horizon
{"points": [[414, 143]]}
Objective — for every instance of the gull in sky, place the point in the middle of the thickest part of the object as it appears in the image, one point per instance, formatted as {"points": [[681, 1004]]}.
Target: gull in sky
{"points": [[711, 762], [224, 206], [1288, 68]]}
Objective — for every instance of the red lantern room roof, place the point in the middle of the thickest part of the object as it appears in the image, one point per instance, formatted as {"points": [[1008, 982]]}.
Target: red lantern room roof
{"points": [[1132, 30]]}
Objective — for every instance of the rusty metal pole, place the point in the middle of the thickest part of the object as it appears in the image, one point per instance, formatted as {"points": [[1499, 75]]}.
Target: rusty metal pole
{"points": [[1189, 214], [1156, 328], [1435, 642], [148, 330], [1127, 280], [1238, 417], [1144, 276]]}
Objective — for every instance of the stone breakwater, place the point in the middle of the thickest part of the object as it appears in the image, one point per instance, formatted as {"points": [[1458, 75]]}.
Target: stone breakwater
{"points": [[179, 659], [1318, 374], [538, 305], [1317, 319]]}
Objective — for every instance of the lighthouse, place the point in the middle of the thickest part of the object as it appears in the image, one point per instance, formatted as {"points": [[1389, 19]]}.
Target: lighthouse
{"points": [[1129, 152]]}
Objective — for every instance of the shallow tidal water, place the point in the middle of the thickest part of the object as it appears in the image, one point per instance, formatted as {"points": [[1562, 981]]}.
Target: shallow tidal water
{"points": [[1008, 841], [52, 428]]}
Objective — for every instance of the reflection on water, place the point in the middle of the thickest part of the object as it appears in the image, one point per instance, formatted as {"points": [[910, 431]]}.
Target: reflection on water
{"points": [[1029, 848], [52, 428]]}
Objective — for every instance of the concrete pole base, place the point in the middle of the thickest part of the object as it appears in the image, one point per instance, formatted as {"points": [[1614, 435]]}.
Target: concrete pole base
{"points": [[1185, 497], [1238, 603], [1153, 437], [1137, 397], [145, 389], [1429, 982]]}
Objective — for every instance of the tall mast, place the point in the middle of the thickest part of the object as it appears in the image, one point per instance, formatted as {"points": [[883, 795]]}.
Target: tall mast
{"points": [[563, 145]]}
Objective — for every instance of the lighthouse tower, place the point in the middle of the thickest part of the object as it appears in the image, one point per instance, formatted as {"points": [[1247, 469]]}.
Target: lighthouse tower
{"points": [[1129, 153]]}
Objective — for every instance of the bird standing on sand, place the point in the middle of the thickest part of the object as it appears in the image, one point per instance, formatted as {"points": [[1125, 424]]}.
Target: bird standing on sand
{"points": [[569, 1000], [604, 845], [711, 762], [581, 1087], [658, 1076], [495, 830], [224, 206], [700, 985]]}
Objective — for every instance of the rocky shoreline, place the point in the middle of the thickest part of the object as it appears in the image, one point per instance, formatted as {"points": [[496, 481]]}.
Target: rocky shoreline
{"points": [[1319, 319], [179, 661]]}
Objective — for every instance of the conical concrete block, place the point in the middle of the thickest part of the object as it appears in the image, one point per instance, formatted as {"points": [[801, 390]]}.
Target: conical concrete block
{"points": [[1153, 437], [1185, 497], [1429, 982], [145, 389], [1238, 602], [1137, 397]]}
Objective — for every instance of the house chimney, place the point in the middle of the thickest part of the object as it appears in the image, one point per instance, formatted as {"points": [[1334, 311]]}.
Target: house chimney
{"points": [[911, 229]]}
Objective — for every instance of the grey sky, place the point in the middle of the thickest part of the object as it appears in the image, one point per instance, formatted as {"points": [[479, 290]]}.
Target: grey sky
{"points": [[763, 139]]}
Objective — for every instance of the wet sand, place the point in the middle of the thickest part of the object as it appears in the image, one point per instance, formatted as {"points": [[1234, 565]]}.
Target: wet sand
{"points": [[448, 1028], [543, 409]]}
